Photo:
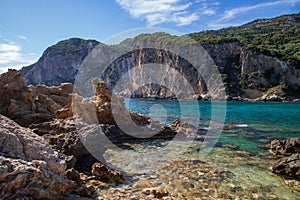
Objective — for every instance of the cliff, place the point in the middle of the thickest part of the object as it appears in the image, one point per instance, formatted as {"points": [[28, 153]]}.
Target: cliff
{"points": [[59, 63], [259, 60]]}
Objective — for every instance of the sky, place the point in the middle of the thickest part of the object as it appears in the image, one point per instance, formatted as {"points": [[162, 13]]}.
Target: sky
{"points": [[28, 27]]}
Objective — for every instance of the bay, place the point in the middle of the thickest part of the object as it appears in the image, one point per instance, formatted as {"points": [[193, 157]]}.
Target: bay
{"points": [[237, 167]]}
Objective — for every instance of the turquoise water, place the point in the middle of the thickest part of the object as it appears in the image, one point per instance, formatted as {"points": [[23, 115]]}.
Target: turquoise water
{"points": [[237, 168], [250, 125]]}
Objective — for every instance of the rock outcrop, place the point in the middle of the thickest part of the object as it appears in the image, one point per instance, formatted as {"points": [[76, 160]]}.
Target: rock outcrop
{"points": [[107, 174], [247, 73], [285, 147], [30, 168], [289, 165], [29, 105], [59, 63]]}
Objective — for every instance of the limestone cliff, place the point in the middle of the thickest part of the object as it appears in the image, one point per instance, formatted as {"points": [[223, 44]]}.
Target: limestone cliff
{"points": [[246, 73], [59, 63], [258, 60]]}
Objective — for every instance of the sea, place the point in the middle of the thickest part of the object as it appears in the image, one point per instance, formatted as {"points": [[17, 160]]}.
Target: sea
{"points": [[238, 163]]}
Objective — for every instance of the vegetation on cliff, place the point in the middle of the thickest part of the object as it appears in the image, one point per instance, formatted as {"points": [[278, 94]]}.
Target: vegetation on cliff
{"points": [[278, 37]]}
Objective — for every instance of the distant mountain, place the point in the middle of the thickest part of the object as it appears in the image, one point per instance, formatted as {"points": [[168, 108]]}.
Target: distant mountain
{"points": [[259, 60], [59, 63]]}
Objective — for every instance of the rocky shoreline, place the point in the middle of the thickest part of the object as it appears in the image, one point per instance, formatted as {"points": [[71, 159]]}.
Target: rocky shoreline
{"points": [[48, 159], [44, 132]]}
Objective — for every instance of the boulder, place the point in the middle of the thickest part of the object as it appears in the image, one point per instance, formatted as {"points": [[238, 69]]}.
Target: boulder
{"points": [[107, 174], [285, 147], [29, 167], [289, 166], [29, 105]]}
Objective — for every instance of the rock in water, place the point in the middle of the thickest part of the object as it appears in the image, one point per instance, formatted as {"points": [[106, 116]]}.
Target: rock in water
{"points": [[107, 174], [289, 166], [30, 168], [285, 147]]}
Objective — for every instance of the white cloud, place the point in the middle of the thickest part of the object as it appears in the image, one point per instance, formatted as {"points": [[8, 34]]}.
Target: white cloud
{"points": [[160, 11], [232, 13], [11, 56], [9, 47], [209, 12], [9, 53], [22, 37]]}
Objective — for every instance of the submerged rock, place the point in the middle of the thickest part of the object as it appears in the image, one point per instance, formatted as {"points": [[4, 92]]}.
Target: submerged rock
{"points": [[155, 192]]}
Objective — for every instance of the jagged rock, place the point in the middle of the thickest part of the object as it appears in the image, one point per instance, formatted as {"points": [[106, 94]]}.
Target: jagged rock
{"points": [[107, 174], [85, 191], [285, 147], [73, 175], [289, 166], [28, 105], [29, 167], [65, 112]]}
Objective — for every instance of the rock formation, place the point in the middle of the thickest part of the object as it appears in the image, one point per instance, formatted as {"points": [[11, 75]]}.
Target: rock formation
{"points": [[289, 165], [107, 174], [29, 105], [30, 168], [285, 147], [247, 73], [59, 63]]}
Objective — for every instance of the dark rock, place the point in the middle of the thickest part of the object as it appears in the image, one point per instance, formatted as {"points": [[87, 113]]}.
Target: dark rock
{"points": [[85, 191], [107, 174], [73, 175], [289, 166], [70, 161], [285, 147]]}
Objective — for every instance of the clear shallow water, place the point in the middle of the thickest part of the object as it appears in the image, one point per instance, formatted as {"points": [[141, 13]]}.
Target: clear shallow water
{"points": [[237, 168], [247, 124]]}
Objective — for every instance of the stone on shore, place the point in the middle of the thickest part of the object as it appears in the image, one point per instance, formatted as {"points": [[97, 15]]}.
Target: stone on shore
{"points": [[289, 165], [30, 168], [285, 147]]}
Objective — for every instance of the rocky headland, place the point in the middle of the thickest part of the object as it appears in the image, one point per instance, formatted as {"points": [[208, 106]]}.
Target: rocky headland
{"points": [[254, 64], [53, 138]]}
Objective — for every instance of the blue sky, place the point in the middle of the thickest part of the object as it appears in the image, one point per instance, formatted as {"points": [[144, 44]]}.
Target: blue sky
{"points": [[28, 27]]}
